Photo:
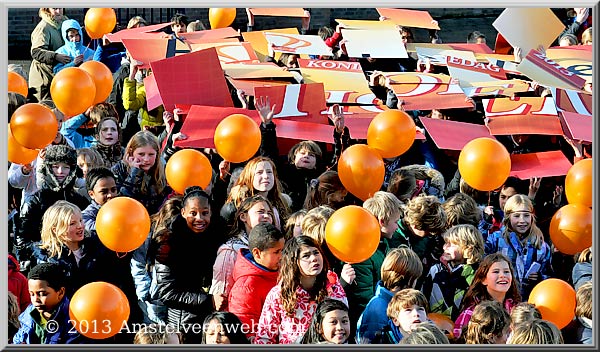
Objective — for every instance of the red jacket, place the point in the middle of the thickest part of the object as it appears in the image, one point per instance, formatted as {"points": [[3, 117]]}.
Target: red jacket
{"points": [[249, 291], [17, 283]]}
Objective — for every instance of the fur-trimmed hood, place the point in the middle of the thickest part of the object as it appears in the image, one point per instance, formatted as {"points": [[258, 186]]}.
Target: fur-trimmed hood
{"points": [[60, 154]]}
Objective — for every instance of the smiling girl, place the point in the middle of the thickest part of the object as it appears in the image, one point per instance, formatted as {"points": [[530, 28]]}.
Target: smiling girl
{"points": [[304, 282], [330, 324], [493, 281], [523, 243], [141, 173]]}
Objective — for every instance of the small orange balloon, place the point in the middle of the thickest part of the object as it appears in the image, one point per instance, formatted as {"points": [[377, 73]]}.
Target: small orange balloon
{"points": [[578, 183], [556, 300], [102, 77], [17, 84], [237, 138], [99, 310], [73, 91], [352, 234], [443, 322], [34, 126], [99, 21], [571, 228], [221, 17], [122, 224], [484, 164], [17, 153], [188, 167], [391, 133], [361, 170]]}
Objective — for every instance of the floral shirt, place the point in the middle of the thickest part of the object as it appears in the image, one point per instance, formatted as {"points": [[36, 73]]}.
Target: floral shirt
{"points": [[276, 327]]}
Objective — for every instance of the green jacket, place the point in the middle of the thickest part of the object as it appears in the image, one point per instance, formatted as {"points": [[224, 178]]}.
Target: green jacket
{"points": [[134, 98]]}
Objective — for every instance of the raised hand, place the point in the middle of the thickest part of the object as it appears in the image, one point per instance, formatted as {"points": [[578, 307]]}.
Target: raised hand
{"points": [[336, 115], [264, 108]]}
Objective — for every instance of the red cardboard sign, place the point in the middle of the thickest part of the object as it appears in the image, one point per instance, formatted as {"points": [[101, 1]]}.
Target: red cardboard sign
{"points": [[300, 102], [453, 135], [544, 164]]}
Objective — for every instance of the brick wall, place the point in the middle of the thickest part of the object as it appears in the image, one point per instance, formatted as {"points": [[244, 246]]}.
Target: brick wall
{"points": [[455, 23]]}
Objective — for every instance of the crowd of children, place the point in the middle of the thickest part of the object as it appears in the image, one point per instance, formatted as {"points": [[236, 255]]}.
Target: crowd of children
{"points": [[247, 258]]}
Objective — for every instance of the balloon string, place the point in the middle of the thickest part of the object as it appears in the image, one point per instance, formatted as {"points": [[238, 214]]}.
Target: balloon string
{"points": [[121, 255]]}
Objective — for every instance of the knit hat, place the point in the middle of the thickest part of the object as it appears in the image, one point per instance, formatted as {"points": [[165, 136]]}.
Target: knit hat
{"points": [[60, 154]]}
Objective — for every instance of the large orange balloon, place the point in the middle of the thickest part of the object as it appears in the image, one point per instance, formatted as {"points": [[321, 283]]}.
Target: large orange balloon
{"points": [[17, 153], [571, 228], [352, 234], [123, 224], [99, 310], [188, 167], [555, 299], [237, 138], [17, 84], [391, 133], [578, 183], [361, 170], [443, 322], [99, 21], [34, 126], [484, 164], [73, 91], [221, 17], [102, 77]]}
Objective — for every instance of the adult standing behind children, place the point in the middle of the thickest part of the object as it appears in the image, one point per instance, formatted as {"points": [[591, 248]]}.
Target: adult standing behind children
{"points": [[73, 47], [45, 39]]}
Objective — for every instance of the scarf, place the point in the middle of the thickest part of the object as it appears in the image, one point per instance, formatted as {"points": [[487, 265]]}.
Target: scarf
{"points": [[111, 154]]}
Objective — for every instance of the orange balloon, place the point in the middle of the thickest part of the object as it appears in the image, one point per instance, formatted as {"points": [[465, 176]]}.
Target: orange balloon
{"points": [[102, 77], [99, 310], [73, 91], [17, 153], [34, 126], [555, 299], [352, 234], [391, 133], [123, 224], [188, 167], [443, 322], [237, 138], [484, 164], [578, 183], [99, 21], [361, 170], [571, 228], [221, 17], [17, 84]]}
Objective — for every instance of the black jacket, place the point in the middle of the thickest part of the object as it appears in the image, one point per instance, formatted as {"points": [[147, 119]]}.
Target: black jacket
{"points": [[130, 181]]}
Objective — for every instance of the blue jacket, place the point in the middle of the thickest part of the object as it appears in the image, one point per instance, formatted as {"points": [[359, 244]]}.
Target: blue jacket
{"points": [[72, 49], [522, 257], [69, 130], [31, 332], [374, 317], [89, 215]]}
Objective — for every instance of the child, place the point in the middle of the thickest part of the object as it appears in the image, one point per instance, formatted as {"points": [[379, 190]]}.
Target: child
{"points": [[179, 24], [304, 282], [13, 316], [221, 328], [425, 333], [81, 129], [462, 209], [493, 281], [304, 164], [73, 47], [17, 284], [293, 225], [523, 313], [47, 288], [328, 190], [141, 173], [579, 331], [253, 211], [183, 263], [407, 308], [255, 274], [259, 176], [523, 243], [536, 332], [88, 158], [582, 271], [102, 187], [400, 270], [386, 208], [314, 222], [330, 324], [489, 324], [108, 140], [157, 334], [447, 281]]}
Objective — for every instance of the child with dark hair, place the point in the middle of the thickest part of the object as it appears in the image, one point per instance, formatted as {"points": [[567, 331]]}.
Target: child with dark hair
{"points": [[47, 288], [330, 324], [73, 47], [101, 185], [327, 189], [179, 24], [489, 324], [223, 328], [255, 273]]}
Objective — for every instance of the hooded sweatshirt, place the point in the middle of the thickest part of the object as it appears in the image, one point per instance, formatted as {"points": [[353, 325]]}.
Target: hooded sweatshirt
{"points": [[72, 49]]}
